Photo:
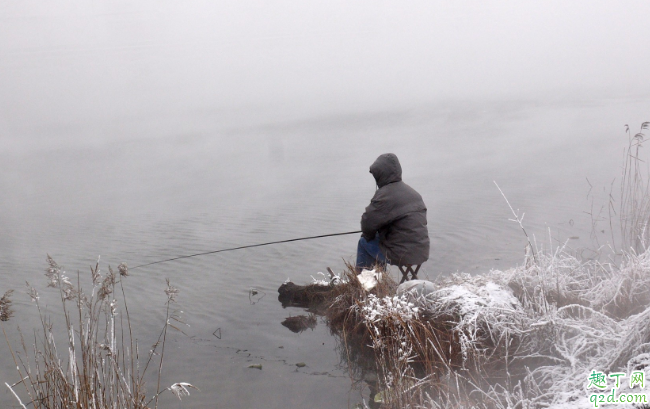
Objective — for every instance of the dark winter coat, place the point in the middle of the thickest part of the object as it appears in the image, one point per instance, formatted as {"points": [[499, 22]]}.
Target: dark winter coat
{"points": [[398, 213]]}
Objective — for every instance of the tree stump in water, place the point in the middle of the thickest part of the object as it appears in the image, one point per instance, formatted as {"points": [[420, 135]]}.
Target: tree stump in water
{"points": [[306, 296]]}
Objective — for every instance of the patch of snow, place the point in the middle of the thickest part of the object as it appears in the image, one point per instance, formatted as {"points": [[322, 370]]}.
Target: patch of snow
{"points": [[469, 298], [376, 309], [369, 279], [416, 289], [320, 280], [326, 279]]}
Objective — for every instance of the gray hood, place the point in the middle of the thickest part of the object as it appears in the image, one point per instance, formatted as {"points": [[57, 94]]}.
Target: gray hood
{"points": [[386, 169]]}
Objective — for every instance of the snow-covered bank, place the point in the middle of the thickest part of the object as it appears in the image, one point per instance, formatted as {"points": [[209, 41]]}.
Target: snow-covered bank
{"points": [[536, 336]]}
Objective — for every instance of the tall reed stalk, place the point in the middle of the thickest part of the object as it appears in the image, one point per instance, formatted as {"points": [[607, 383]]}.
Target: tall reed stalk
{"points": [[97, 366], [635, 194]]}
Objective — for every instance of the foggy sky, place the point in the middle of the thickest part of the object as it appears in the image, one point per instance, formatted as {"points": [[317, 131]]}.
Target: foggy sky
{"points": [[66, 62]]}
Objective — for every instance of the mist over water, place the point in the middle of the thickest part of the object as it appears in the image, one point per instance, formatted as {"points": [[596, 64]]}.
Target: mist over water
{"points": [[142, 131], [109, 65]]}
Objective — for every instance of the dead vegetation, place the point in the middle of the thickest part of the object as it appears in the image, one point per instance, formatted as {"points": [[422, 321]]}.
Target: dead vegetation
{"points": [[94, 361], [634, 209], [499, 340]]}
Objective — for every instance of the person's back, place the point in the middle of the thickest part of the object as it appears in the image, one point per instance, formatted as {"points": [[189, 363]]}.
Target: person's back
{"points": [[396, 218]]}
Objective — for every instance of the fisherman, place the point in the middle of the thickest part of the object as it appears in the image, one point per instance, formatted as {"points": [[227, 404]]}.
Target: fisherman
{"points": [[394, 224]]}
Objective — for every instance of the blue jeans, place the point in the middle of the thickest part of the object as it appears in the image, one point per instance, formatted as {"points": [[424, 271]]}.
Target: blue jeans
{"points": [[369, 254]]}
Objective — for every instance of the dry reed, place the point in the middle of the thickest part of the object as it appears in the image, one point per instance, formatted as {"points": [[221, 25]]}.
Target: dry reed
{"points": [[635, 194], [98, 364], [526, 337]]}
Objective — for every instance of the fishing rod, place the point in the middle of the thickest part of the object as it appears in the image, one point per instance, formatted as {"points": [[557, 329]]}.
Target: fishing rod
{"points": [[247, 247]]}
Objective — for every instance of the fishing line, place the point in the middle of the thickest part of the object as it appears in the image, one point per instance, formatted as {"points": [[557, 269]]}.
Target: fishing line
{"points": [[247, 247]]}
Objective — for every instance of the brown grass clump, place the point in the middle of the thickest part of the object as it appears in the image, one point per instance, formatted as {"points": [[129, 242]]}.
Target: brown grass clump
{"points": [[465, 330], [347, 325], [98, 363], [350, 293], [412, 344], [415, 344]]}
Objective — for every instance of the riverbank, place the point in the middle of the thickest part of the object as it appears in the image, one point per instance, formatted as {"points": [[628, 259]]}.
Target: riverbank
{"points": [[532, 336]]}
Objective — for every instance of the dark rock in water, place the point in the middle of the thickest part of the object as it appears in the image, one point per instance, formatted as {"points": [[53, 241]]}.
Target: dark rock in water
{"points": [[293, 295], [300, 323]]}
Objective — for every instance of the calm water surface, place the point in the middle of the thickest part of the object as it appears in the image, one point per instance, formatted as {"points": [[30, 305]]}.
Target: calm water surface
{"points": [[141, 131], [155, 193]]}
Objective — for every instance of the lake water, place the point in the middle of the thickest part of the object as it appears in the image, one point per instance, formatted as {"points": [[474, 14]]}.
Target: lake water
{"points": [[159, 187], [141, 131]]}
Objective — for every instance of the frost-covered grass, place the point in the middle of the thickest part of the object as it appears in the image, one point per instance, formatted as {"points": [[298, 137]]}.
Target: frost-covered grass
{"points": [[527, 337]]}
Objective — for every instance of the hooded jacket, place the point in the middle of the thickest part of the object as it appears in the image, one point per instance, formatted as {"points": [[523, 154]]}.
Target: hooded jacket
{"points": [[397, 212]]}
